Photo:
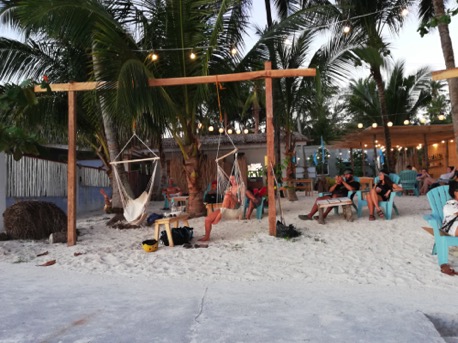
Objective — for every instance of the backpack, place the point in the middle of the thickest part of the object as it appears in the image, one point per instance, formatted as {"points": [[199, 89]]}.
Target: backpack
{"points": [[180, 235], [152, 218]]}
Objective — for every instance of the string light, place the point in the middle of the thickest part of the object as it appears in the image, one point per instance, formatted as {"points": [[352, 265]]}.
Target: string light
{"points": [[154, 57], [346, 29], [211, 128], [192, 56], [404, 12], [423, 120], [406, 122], [441, 117], [238, 131], [390, 124], [360, 125], [374, 125], [221, 130], [233, 51], [245, 131], [229, 131]]}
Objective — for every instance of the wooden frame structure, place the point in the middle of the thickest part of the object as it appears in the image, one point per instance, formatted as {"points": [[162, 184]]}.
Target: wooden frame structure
{"points": [[74, 87]]}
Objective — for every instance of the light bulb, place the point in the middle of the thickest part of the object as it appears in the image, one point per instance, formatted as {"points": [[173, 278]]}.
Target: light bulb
{"points": [[192, 56], [406, 122], [199, 126], [245, 131], [404, 12], [221, 130], [346, 29], [360, 125], [422, 120], [154, 57], [238, 131], [229, 131], [374, 125], [233, 51], [211, 128], [390, 124], [441, 117]]}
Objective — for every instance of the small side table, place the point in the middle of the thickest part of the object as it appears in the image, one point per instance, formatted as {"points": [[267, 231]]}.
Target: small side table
{"points": [[166, 222], [344, 202]]}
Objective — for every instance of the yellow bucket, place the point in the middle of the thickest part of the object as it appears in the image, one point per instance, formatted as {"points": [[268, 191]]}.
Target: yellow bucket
{"points": [[150, 245]]}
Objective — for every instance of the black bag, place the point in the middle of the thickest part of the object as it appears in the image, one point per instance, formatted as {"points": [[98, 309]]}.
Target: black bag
{"points": [[284, 231], [180, 235], [153, 217]]}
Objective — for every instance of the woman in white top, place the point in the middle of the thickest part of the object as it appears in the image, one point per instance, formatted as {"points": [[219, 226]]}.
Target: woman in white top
{"points": [[450, 222]]}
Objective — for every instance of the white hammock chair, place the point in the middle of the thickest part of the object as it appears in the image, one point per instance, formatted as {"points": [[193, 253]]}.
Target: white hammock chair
{"points": [[135, 209], [223, 183]]}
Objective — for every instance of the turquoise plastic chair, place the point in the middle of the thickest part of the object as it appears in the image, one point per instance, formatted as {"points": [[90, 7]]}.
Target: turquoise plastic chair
{"points": [[259, 209], [387, 206], [409, 181], [437, 198]]}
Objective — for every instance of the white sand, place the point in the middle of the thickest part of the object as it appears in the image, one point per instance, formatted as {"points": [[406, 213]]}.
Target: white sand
{"points": [[391, 258]]}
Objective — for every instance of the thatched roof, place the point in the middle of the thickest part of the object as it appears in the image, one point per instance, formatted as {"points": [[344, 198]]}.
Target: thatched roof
{"points": [[405, 136], [241, 139]]}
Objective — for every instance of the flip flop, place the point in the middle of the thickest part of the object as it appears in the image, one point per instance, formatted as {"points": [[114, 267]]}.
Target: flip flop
{"points": [[187, 245], [371, 217], [446, 269], [200, 246], [304, 217], [380, 214]]}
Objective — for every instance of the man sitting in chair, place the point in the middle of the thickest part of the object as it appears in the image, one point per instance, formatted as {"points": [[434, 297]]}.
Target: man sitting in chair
{"points": [[172, 190], [340, 189]]}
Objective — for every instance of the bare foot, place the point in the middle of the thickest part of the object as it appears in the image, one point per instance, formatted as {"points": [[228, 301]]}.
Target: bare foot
{"points": [[204, 239]]}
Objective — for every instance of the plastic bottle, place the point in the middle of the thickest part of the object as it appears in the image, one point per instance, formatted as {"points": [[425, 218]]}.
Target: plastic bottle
{"points": [[173, 208]]}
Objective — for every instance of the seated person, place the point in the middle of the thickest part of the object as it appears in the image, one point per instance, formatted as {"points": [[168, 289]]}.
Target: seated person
{"points": [[450, 222], [343, 185], [443, 179], [380, 192], [211, 196], [172, 190], [421, 178], [255, 200], [230, 208]]}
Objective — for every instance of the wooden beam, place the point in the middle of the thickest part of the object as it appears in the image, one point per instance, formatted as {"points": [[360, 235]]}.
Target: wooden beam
{"points": [[270, 152], [71, 170], [444, 74], [181, 81]]}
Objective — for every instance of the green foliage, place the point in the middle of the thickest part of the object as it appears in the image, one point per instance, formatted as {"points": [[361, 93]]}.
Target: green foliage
{"points": [[16, 142], [446, 19]]}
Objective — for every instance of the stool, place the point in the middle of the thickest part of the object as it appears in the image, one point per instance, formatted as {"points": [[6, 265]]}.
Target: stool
{"points": [[166, 222]]}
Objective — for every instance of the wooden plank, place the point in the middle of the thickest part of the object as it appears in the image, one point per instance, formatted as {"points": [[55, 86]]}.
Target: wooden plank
{"points": [[71, 170], [270, 153], [430, 230], [444, 74], [181, 81]]}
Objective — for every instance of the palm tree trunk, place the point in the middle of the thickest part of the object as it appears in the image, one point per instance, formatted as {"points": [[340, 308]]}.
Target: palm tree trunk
{"points": [[449, 58], [192, 167], [386, 131]]}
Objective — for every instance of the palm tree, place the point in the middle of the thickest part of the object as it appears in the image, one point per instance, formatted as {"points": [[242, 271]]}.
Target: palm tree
{"points": [[368, 19], [120, 35], [432, 13]]}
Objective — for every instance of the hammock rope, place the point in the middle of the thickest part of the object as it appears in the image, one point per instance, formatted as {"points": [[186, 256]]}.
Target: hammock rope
{"points": [[134, 209]]}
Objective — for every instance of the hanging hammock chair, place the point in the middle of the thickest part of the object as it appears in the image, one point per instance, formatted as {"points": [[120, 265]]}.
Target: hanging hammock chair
{"points": [[223, 179], [134, 209], [224, 184]]}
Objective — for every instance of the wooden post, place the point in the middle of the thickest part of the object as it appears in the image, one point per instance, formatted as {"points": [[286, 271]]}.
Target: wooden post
{"points": [[447, 154], [425, 150], [71, 170], [270, 152], [375, 154]]}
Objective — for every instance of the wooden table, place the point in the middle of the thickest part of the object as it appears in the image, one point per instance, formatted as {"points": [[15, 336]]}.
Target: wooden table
{"points": [[345, 202], [180, 200], [301, 185], [166, 222]]}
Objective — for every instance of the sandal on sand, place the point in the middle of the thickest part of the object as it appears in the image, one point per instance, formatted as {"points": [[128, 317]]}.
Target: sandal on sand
{"points": [[371, 217], [380, 214], [446, 269]]}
